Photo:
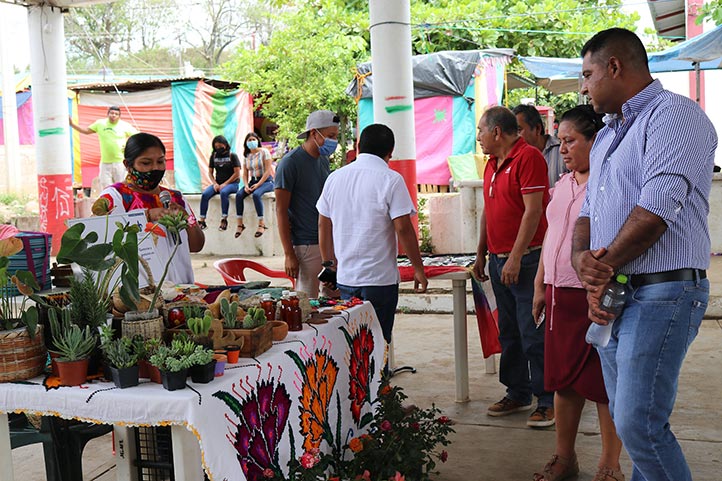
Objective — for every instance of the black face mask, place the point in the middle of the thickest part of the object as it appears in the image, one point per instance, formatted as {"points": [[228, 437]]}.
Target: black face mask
{"points": [[145, 180]]}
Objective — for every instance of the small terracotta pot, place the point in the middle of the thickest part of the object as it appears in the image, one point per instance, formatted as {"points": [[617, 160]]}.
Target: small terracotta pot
{"points": [[54, 364], [73, 373], [233, 352]]}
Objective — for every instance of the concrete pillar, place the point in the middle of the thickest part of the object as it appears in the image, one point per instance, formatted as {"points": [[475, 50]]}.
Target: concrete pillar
{"points": [[9, 104], [50, 113], [393, 85], [696, 77]]}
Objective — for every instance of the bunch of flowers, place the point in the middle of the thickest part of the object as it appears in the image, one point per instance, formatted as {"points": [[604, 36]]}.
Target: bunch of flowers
{"points": [[14, 311], [401, 442], [401, 445]]}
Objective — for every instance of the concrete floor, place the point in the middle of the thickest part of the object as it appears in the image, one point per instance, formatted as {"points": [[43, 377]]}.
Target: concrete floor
{"points": [[485, 448]]}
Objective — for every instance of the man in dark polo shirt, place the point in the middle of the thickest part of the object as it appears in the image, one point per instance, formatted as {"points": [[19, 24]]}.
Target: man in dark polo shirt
{"points": [[516, 192]]}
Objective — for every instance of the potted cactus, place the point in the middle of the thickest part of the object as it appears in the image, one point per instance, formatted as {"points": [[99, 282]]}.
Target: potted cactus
{"points": [[123, 360], [173, 365], [256, 333], [73, 346], [203, 365], [229, 313], [200, 327]]}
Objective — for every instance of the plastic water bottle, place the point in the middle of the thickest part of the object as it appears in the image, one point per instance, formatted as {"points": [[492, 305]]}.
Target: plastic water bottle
{"points": [[612, 301]]}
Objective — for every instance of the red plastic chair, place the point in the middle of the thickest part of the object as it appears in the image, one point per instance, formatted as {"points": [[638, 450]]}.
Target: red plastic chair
{"points": [[231, 271]]}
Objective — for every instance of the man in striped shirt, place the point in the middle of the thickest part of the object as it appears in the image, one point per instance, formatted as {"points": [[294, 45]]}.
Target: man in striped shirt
{"points": [[645, 215]]}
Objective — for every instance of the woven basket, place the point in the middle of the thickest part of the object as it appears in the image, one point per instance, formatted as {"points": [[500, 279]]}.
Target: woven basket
{"points": [[21, 357], [146, 328]]}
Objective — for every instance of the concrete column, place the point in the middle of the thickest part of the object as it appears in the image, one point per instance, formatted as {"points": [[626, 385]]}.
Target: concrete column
{"points": [[9, 104], [50, 113], [393, 82]]}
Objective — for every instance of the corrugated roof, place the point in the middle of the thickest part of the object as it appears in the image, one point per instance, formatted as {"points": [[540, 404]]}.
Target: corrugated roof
{"points": [[669, 17], [149, 84]]}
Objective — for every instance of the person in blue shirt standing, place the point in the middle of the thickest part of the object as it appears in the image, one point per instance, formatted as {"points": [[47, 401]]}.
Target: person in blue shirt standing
{"points": [[645, 216]]}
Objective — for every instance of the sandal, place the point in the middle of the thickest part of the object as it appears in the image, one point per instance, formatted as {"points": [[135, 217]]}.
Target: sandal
{"points": [[606, 474], [224, 224], [202, 224], [260, 230], [239, 231], [570, 468]]}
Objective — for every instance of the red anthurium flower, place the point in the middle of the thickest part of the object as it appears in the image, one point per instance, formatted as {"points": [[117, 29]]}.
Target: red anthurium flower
{"points": [[154, 228]]}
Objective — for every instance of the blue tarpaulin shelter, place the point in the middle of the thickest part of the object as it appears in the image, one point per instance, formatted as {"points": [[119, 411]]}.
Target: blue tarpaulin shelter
{"points": [[703, 52]]}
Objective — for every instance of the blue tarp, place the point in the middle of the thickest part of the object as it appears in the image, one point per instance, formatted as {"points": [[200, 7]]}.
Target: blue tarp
{"points": [[705, 48]]}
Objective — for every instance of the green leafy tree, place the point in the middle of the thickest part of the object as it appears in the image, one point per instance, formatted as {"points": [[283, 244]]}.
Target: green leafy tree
{"points": [[306, 65]]}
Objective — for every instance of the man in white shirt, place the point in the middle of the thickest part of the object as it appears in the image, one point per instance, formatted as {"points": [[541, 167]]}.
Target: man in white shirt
{"points": [[364, 206]]}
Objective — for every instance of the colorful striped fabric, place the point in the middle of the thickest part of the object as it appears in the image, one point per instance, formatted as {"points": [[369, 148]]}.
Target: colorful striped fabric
{"points": [[446, 125], [200, 112]]}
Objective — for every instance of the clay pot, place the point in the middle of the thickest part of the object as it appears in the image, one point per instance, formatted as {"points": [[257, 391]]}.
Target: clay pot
{"points": [[280, 330]]}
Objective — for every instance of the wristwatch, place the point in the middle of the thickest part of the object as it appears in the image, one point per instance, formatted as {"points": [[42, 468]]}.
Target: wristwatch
{"points": [[328, 263]]}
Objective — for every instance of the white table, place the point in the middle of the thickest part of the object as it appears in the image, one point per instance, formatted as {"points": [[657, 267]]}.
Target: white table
{"points": [[200, 417], [461, 354]]}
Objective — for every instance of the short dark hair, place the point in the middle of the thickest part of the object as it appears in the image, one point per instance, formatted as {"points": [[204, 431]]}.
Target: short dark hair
{"points": [[376, 139], [114, 107], [503, 118], [584, 119], [250, 135], [139, 143], [617, 42], [531, 116]]}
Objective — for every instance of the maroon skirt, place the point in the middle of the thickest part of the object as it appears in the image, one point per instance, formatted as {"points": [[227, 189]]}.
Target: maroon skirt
{"points": [[569, 362]]}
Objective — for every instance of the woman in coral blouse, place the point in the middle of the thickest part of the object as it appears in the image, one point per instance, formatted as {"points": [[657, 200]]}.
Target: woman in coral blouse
{"points": [[571, 366]]}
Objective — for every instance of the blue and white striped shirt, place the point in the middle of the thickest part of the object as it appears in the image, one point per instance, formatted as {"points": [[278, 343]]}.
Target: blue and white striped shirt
{"points": [[660, 157]]}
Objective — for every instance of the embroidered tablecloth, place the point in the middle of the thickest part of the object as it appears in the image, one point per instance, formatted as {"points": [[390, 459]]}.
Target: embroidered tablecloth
{"points": [[312, 390]]}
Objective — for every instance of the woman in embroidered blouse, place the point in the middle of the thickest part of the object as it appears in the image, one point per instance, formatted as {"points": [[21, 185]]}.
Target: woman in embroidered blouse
{"points": [[145, 162], [257, 175], [571, 366]]}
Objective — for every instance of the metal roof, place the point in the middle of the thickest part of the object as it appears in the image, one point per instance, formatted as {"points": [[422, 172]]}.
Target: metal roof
{"points": [[149, 84], [669, 17]]}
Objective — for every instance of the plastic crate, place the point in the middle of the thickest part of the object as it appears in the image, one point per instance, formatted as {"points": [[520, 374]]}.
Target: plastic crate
{"points": [[154, 453]]}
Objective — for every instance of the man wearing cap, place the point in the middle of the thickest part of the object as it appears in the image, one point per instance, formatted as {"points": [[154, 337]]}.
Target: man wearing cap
{"points": [[112, 134], [300, 177], [364, 240]]}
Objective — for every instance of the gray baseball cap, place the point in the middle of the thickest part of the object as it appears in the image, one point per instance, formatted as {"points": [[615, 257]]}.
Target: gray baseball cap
{"points": [[320, 119]]}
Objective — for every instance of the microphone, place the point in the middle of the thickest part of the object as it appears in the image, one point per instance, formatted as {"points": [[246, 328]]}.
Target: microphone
{"points": [[165, 198]]}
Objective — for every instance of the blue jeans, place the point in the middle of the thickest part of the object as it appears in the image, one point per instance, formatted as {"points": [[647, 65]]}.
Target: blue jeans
{"points": [[641, 367], [383, 298], [210, 192], [521, 367], [267, 186]]}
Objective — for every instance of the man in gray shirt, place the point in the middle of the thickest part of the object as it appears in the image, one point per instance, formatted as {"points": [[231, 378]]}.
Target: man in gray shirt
{"points": [[531, 128], [300, 177]]}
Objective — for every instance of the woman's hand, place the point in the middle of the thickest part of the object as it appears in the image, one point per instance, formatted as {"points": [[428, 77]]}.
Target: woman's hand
{"points": [[248, 190], [156, 213], [539, 302], [216, 187]]}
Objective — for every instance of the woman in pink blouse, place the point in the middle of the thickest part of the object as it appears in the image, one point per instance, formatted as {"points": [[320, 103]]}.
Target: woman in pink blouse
{"points": [[571, 366]]}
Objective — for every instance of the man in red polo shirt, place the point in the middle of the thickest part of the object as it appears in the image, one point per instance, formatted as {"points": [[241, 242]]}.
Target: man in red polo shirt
{"points": [[516, 192]]}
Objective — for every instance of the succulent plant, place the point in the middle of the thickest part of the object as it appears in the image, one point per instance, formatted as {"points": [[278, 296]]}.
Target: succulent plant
{"points": [[229, 311]]}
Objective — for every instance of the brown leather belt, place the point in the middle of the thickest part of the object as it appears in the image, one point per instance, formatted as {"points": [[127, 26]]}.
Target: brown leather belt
{"points": [[637, 280]]}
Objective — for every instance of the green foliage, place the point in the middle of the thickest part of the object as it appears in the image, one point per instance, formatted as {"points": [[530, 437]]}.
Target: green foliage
{"points": [[105, 258], [70, 341], [711, 10], [120, 353], [200, 326], [149, 346], [193, 310], [306, 65], [401, 443], [170, 359], [87, 305], [255, 317], [200, 356], [174, 225], [182, 345], [229, 311], [425, 244]]}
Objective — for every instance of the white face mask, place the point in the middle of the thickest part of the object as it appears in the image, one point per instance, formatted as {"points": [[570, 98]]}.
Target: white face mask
{"points": [[252, 144]]}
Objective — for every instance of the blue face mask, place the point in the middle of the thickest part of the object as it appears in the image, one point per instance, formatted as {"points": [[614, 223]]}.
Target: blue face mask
{"points": [[252, 144], [328, 147]]}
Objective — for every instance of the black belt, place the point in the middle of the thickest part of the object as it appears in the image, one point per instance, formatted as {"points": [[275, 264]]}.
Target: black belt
{"points": [[637, 280]]}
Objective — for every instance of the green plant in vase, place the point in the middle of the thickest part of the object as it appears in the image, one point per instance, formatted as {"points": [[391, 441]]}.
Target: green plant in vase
{"points": [[229, 312], [73, 345], [120, 353], [200, 328], [87, 305]]}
